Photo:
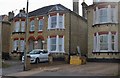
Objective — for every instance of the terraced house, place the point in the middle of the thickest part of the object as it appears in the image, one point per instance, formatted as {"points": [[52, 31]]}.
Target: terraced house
{"points": [[104, 30], [55, 28]]}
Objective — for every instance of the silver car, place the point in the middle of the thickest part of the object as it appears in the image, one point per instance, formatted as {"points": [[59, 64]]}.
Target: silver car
{"points": [[37, 55]]}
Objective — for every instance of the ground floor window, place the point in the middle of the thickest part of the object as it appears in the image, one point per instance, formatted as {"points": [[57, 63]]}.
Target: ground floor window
{"points": [[105, 42], [18, 45], [55, 43]]}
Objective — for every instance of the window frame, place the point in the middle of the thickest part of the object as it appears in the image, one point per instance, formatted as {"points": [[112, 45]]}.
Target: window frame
{"points": [[32, 25], [40, 27]]}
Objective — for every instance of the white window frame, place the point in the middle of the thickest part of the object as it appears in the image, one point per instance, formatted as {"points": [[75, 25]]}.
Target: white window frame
{"points": [[103, 15], [22, 26], [57, 44], [22, 45], [96, 43], [111, 15], [40, 28], [15, 44], [32, 25], [57, 22], [17, 26], [104, 35]]}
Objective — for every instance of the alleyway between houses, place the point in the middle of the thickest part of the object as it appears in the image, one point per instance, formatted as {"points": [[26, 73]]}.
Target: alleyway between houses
{"points": [[62, 69]]}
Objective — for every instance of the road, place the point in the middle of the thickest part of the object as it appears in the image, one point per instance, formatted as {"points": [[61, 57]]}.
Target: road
{"points": [[89, 69], [15, 66]]}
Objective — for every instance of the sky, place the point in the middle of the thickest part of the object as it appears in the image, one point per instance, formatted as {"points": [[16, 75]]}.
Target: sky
{"points": [[15, 5]]}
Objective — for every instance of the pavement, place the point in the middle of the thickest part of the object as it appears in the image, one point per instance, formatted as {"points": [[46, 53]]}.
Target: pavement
{"points": [[89, 69]]}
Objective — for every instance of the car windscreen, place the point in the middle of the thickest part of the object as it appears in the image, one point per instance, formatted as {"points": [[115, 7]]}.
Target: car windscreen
{"points": [[35, 52]]}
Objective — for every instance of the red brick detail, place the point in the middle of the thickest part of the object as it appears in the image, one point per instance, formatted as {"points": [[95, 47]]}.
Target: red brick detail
{"points": [[40, 31], [60, 36], [21, 38], [113, 32], [52, 36], [94, 34], [16, 38], [16, 19], [40, 37], [61, 14], [53, 14], [104, 32], [31, 18], [31, 38], [104, 6], [31, 32], [41, 17], [23, 19]]}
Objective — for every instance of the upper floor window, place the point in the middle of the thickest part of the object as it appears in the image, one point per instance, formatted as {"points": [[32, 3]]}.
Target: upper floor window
{"points": [[32, 25], [23, 26], [56, 21], [53, 22], [105, 14], [17, 26], [41, 23]]}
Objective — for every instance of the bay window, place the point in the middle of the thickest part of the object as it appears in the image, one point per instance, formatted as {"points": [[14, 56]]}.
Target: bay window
{"points": [[105, 42], [56, 21], [105, 14], [55, 44]]}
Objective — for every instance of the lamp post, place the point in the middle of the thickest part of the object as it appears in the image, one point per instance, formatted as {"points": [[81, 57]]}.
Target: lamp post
{"points": [[25, 51]]}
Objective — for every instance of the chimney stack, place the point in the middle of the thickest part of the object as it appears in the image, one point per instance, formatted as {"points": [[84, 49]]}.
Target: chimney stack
{"points": [[84, 9], [76, 6], [10, 16]]}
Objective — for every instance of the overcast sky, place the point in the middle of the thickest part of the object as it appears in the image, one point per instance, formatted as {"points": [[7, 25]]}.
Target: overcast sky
{"points": [[16, 5]]}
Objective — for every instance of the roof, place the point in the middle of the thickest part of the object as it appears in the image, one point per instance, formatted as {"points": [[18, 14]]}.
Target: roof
{"points": [[47, 9]]}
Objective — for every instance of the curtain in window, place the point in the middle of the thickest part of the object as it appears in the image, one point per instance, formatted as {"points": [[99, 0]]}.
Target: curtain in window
{"points": [[17, 26], [31, 45], [32, 25], [53, 21], [40, 44], [15, 45], [40, 25], [22, 44], [23, 26]]}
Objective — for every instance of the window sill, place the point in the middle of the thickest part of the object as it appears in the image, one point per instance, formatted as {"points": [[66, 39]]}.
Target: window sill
{"points": [[103, 24], [57, 29], [17, 32], [106, 52], [40, 31], [31, 32]]}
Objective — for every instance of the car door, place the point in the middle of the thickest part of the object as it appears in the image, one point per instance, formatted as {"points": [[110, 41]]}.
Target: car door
{"points": [[45, 55]]}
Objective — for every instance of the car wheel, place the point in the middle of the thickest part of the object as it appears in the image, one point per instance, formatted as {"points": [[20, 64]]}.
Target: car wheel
{"points": [[37, 60]]}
